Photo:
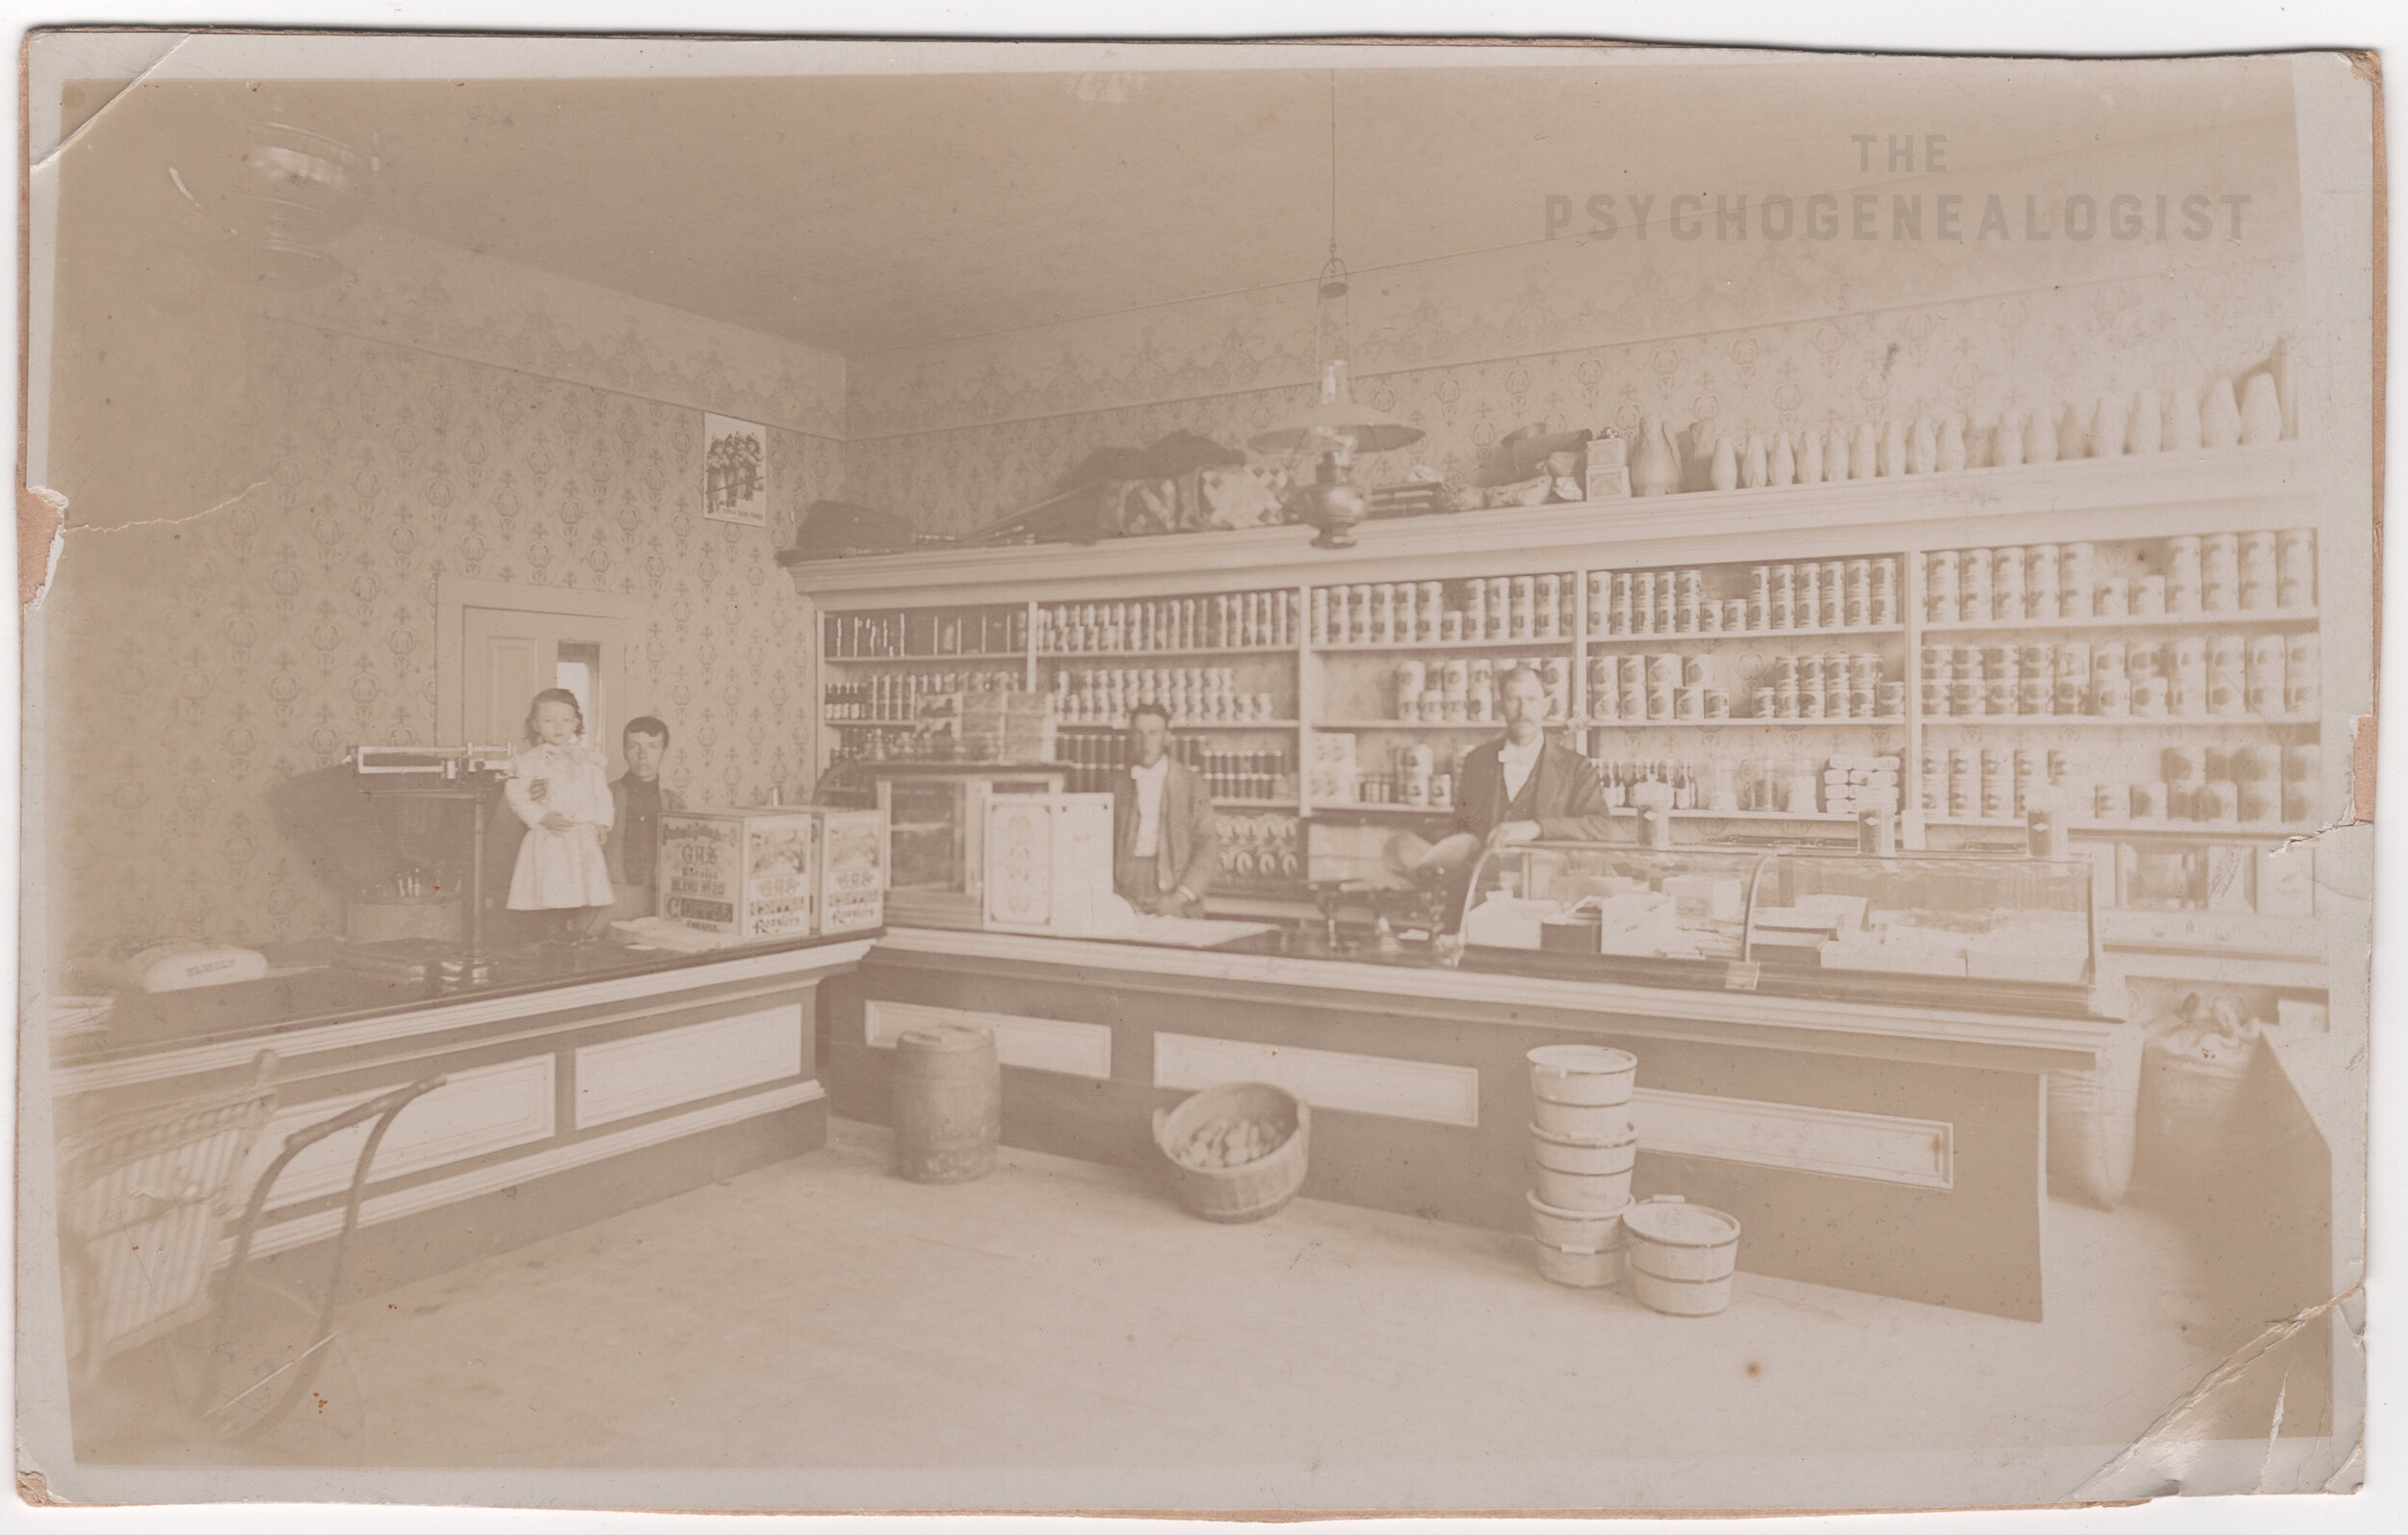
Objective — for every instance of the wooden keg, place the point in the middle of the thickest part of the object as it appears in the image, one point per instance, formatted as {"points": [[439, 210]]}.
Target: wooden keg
{"points": [[948, 1103]]}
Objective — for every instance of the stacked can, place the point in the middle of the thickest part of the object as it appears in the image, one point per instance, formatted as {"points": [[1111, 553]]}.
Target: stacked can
{"points": [[2111, 686], [1884, 610], [1964, 783], [2042, 584], [2228, 674], [2257, 585], [2295, 570], [2303, 769], [2071, 686], [1935, 781], [2073, 574], [2220, 573], [2302, 673], [2266, 675], [2187, 676], [2182, 576], [1942, 573]]}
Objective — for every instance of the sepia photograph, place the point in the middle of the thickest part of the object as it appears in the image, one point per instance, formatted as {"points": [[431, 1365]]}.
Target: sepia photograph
{"points": [[1290, 780]]}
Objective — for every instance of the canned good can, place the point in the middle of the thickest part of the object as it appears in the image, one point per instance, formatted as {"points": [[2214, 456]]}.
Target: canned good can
{"points": [[2147, 801], [2268, 675], [1601, 701], [1786, 698], [1889, 699], [1696, 672], [2296, 568], [2220, 559], [1736, 611], [2112, 698], [1762, 702], [1632, 703], [1710, 617], [1661, 702], [1860, 703], [1717, 703], [2258, 558], [2149, 697], [1965, 697]]}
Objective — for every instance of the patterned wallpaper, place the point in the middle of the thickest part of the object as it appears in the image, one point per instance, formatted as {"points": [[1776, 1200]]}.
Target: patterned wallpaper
{"points": [[424, 294], [198, 663]]}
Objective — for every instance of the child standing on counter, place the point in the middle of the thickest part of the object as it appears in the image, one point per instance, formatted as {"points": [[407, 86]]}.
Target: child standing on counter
{"points": [[560, 788]]}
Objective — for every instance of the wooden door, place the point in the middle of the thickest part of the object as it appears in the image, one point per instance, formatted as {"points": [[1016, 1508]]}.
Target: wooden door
{"points": [[508, 656]]}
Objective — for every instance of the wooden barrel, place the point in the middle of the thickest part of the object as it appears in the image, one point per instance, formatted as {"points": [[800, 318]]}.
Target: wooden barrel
{"points": [[948, 1103]]}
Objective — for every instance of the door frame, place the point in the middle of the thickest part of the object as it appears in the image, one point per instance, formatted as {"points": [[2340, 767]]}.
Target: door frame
{"points": [[616, 620]]}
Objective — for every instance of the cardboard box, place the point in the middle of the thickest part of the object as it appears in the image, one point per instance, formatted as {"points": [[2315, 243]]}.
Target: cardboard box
{"points": [[751, 873], [1049, 863], [852, 859]]}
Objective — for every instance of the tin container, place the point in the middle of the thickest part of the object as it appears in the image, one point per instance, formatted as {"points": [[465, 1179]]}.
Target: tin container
{"points": [[2268, 677], [2295, 570]]}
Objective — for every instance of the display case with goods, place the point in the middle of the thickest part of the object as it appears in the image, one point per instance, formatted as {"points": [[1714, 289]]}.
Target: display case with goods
{"points": [[937, 818], [2005, 932]]}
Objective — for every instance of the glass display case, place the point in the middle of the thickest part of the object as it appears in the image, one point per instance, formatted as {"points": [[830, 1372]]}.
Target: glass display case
{"points": [[2002, 932], [936, 816]]}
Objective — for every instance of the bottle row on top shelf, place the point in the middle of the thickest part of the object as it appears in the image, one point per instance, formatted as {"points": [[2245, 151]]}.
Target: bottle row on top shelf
{"points": [[2113, 425], [2181, 578], [913, 632]]}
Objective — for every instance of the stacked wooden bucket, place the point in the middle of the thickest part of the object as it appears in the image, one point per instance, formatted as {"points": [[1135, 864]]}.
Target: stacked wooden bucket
{"points": [[1583, 1148], [1678, 1256]]}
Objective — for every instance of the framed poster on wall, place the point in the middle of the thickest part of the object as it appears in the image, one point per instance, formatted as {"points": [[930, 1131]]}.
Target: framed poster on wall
{"points": [[735, 471]]}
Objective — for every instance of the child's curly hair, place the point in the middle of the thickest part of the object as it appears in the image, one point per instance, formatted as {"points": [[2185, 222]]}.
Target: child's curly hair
{"points": [[554, 695]]}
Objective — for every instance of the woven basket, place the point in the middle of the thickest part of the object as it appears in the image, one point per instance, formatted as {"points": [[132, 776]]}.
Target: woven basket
{"points": [[1258, 1188]]}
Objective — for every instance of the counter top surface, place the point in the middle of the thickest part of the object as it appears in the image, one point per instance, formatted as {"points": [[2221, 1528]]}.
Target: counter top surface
{"points": [[1414, 981], [312, 997]]}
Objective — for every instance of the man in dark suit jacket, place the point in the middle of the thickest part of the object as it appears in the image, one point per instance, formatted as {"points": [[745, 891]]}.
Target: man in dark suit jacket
{"points": [[1523, 787], [1165, 844]]}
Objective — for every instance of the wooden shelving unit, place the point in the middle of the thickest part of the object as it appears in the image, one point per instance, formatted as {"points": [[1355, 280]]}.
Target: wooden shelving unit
{"points": [[1341, 686]]}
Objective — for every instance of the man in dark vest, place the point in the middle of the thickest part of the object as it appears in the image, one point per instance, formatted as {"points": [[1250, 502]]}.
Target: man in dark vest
{"points": [[1523, 787]]}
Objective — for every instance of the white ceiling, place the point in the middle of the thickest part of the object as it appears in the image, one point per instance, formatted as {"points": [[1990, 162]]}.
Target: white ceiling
{"points": [[864, 213]]}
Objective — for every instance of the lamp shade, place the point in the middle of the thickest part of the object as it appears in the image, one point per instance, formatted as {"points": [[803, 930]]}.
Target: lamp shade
{"points": [[1370, 431]]}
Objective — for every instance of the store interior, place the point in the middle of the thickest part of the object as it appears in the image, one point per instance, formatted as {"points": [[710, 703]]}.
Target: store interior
{"points": [[1875, 529]]}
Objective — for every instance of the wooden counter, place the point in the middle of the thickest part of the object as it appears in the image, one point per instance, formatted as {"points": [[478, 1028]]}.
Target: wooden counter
{"points": [[566, 1102], [1880, 1148]]}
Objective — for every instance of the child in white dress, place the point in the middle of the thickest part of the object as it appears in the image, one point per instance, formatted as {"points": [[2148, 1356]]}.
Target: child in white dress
{"points": [[561, 787]]}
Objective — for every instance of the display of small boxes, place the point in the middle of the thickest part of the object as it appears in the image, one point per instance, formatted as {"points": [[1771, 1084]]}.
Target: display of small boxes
{"points": [[1049, 863], [752, 873]]}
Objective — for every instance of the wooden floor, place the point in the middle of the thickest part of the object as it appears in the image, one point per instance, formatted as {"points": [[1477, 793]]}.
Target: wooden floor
{"points": [[1059, 1334]]}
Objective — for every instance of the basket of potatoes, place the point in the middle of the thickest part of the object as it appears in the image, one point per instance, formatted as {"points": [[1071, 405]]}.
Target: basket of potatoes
{"points": [[1236, 1151]]}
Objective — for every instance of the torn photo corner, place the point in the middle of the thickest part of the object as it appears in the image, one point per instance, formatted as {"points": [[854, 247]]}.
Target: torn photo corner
{"points": [[735, 757]]}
